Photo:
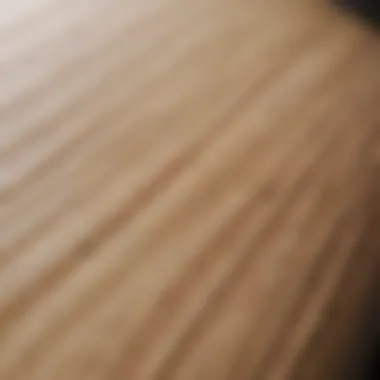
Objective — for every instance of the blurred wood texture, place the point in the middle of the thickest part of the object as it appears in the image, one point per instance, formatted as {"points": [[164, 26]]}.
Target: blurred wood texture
{"points": [[187, 189]]}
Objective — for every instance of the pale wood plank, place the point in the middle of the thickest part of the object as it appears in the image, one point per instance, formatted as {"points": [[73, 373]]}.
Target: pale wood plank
{"points": [[186, 188]]}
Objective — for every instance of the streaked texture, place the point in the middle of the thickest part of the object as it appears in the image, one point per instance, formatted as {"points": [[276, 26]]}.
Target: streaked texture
{"points": [[187, 189]]}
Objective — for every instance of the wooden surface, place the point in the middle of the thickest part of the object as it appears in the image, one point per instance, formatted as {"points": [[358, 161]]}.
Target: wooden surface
{"points": [[186, 189]]}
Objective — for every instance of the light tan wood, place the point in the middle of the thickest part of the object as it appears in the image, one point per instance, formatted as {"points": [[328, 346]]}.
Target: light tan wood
{"points": [[186, 189]]}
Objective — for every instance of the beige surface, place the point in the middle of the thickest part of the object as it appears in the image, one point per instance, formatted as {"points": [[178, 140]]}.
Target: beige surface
{"points": [[186, 186]]}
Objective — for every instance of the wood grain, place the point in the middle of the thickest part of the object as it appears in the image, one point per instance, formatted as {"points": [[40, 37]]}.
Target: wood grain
{"points": [[187, 189]]}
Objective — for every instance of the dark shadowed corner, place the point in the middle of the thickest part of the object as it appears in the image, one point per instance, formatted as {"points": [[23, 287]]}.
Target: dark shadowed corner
{"points": [[369, 10]]}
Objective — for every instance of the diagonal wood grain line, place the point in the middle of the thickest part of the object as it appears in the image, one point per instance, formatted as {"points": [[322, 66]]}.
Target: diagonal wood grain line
{"points": [[313, 274], [162, 309], [184, 189], [192, 334], [9, 309], [80, 247], [84, 136]]}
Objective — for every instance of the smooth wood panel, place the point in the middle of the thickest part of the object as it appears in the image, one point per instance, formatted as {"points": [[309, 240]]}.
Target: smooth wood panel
{"points": [[187, 189]]}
